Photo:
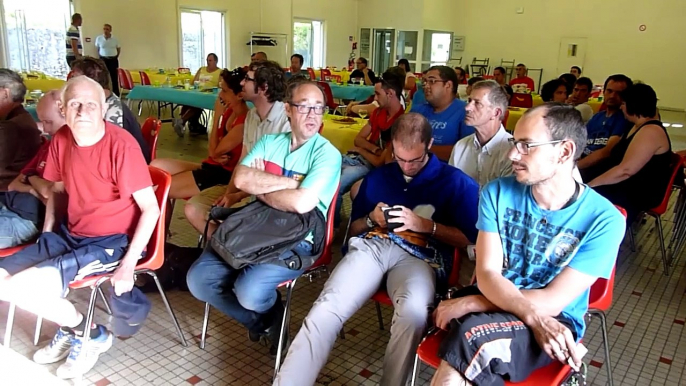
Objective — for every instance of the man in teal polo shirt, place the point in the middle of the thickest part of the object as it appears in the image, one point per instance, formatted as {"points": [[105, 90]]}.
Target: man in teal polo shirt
{"points": [[295, 172]]}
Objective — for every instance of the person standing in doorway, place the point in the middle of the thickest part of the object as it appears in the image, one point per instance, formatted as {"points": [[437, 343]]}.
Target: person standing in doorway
{"points": [[74, 47], [109, 50]]}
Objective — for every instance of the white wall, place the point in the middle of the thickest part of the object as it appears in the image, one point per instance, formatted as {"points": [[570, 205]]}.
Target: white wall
{"points": [[615, 44]]}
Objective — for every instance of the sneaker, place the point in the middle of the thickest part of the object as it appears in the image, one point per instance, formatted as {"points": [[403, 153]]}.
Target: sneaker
{"points": [[58, 348], [256, 336], [178, 126], [84, 355]]}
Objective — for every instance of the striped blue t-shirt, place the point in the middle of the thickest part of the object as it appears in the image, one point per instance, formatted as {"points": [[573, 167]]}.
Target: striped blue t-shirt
{"points": [[73, 33]]}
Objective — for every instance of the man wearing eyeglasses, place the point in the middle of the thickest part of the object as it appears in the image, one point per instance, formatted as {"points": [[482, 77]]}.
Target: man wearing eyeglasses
{"points": [[363, 72], [431, 209], [544, 239], [295, 172], [372, 143], [443, 109], [265, 86], [484, 154]]}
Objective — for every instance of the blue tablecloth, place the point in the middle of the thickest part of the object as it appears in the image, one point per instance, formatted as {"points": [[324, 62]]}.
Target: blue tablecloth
{"points": [[203, 100], [358, 93], [32, 110]]}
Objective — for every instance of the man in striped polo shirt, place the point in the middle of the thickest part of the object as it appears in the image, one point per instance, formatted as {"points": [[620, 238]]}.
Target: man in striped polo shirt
{"points": [[74, 47]]}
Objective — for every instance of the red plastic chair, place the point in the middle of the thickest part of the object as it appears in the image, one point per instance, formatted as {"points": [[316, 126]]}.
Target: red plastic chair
{"points": [[676, 164], [336, 78], [125, 79], [324, 72], [145, 79], [183, 70], [599, 301], [330, 103], [522, 100], [151, 130], [319, 266], [310, 71], [11, 251]]}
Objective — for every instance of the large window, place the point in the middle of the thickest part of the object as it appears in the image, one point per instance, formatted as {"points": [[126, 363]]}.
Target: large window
{"points": [[202, 33], [36, 35], [308, 41]]}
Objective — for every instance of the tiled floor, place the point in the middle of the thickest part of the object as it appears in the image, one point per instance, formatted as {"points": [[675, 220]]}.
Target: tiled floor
{"points": [[646, 325]]}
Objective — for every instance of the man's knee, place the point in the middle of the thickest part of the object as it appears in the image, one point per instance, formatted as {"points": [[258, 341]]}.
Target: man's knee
{"points": [[410, 311], [255, 297], [199, 284], [36, 282], [195, 215]]}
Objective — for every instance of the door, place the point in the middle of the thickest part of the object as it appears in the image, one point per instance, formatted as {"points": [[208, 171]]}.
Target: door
{"points": [[382, 57], [202, 33], [436, 48], [572, 53], [406, 47]]}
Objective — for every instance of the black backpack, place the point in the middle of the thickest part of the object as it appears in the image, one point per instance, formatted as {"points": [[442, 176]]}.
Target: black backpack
{"points": [[172, 274]]}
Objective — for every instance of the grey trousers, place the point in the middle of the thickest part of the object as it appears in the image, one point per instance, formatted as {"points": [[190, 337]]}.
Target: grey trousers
{"points": [[410, 283]]}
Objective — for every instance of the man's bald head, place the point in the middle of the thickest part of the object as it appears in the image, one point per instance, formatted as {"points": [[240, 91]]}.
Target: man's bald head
{"points": [[48, 112], [83, 104]]}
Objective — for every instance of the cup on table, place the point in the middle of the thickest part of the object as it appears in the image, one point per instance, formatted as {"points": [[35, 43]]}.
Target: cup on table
{"points": [[156, 83], [196, 84], [361, 81]]}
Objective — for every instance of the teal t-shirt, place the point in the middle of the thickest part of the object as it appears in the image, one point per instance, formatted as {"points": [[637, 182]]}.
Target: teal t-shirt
{"points": [[316, 164], [538, 244]]}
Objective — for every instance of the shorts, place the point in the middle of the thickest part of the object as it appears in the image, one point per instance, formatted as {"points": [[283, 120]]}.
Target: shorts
{"points": [[489, 347], [73, 256], [209, 175]]}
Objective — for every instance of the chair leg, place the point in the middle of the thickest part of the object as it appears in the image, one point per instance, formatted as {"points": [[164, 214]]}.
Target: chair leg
{"points": [[606, 344], [284, 327], [379, 315], [632, 243], [169, 309], [665, 262], [104, 300], [415, 370], [342, 333], [36, 334], [205, 321], [8, 327]]}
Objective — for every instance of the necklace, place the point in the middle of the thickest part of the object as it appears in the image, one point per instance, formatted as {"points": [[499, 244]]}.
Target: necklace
{"points": [[572, 200]]}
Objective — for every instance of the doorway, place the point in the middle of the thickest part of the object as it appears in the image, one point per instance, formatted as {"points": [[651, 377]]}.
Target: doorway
{"points": [[382, 57], [436, 48], [572, 53], [202, 33]]}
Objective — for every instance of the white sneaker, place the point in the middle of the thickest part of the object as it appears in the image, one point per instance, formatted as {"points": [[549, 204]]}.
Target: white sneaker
{"points": [[178, 127], [57, 349], [83, 355]]}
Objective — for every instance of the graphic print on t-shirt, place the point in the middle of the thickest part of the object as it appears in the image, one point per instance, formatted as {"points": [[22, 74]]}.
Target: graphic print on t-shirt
{"points": [[271, 167], [535, 250]]}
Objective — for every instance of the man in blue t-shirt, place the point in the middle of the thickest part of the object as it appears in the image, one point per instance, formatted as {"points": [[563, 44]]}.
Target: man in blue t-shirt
{"points": [[443, 109], [544, 239], [294, 172], [434, 209], [605, 128]]}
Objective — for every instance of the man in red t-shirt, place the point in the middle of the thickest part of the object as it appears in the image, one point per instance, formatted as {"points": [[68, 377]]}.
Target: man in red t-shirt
{"points": [[111, 211], [522, 79], [372, 143]]}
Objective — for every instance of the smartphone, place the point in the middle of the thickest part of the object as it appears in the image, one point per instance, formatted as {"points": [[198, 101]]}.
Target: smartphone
{"points": [[581, 351], [392, 226]]}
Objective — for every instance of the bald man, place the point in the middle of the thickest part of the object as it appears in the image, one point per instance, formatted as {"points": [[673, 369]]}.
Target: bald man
{"points": [[107, 227], [258, 57]]}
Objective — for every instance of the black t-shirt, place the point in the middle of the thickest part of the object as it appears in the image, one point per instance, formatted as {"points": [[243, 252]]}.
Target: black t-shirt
{"points": [[360, 74], [131, 125]]}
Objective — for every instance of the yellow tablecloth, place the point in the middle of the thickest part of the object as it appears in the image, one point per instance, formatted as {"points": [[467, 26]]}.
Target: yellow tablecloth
{"points": [[161, 78], [342, 136], [515, 114], [345, 75], [43, 84]]}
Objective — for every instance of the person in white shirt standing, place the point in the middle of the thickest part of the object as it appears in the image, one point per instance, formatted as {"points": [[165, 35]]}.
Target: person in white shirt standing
{"points": [[483, 155], [73, 40], [109, 50]]}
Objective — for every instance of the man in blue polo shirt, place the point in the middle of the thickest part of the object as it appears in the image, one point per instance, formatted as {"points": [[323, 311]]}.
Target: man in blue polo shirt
{"points": [[443, 109], [544, 239], [433, 206], [605, 128], [294, 172]]}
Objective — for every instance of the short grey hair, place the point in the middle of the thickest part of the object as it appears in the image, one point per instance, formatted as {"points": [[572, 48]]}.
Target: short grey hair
{"points": [[78, 80], [496, 96], [564, 123], [13, 82]]}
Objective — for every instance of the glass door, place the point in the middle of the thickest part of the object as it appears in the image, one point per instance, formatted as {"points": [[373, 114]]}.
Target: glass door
{"points": [[436, 48], [406, 48], [202, 33], [35, 33], [382, 57]]}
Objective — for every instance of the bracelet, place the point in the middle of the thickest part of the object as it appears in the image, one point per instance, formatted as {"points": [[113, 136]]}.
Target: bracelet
{"points": [[433, 231]]}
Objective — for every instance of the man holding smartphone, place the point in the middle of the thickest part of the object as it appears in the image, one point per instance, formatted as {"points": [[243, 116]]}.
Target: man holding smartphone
{"points": [[435, 205]]}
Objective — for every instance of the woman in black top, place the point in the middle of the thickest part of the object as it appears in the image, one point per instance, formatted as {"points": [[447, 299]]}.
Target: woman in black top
{"points": [[638, 170]]}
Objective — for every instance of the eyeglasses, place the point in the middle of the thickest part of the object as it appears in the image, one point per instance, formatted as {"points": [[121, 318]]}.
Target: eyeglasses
{"points": [[248, 78], [305, 109], [412, 161], [431, 81], [524, 147]]}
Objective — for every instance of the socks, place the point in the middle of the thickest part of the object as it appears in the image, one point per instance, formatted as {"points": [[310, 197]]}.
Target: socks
{"points": [[81, 327]]}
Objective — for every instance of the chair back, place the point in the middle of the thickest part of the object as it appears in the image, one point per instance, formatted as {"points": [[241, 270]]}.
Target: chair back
{"points": [[125, 80], [336, 78], [183, 70], [154, 259], [676, 164], [325, 72], [522, 100], [70, 75], [329, 95], [145, 79], [602, 290], [151, 129], [413, 90], [326, 257], [310, 71]]}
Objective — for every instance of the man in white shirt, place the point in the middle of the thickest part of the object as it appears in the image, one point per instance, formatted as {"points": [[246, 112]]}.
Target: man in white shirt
{"points": [[73, 40], [579, 97], [483, 155], [109, 50], [265, 87]]}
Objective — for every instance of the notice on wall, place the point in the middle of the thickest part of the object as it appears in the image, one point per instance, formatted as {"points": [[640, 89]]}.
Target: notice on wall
{"points": [[458, 43]]}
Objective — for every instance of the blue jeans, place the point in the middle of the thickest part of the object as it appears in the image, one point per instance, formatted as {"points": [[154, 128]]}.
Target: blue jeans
{"points": [[353, 169], [14, 230], [246, 295]]}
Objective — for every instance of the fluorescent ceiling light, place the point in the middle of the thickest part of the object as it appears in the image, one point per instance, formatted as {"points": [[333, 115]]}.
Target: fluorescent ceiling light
{"points": [[677, 125]]}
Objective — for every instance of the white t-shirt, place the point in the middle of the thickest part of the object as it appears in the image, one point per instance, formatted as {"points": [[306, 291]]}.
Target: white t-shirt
{"points": [[586, 111], [483, 163], [107, 47], [254, 128]]}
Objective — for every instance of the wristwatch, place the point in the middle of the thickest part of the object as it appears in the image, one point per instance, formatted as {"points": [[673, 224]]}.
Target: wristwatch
{"points": [[370, 223]]}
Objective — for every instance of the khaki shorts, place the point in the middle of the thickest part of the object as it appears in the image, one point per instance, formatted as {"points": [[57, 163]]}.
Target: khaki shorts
{"points": [[203, 202]]}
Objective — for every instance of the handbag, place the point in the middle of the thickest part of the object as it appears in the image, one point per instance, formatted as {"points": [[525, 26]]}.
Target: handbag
{"points": [[260, 234]]}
